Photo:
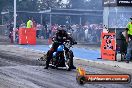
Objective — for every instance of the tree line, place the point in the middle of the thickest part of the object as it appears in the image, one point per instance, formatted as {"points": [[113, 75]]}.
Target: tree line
{"points": [[40, 5]]}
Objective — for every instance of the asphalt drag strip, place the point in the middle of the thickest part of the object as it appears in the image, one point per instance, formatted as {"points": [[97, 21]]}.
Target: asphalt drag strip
{"points": [[20, 68]]}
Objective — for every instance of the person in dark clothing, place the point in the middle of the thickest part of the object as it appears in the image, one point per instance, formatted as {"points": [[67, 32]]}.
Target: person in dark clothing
{"points": [[44, 30], [10, 28], [60, 37]]}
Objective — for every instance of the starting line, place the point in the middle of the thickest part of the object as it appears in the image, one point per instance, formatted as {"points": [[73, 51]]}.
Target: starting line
{"points": [[86, 54]]}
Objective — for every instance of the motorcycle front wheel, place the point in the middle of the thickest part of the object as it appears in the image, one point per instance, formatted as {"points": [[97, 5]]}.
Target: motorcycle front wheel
{"points": [[68, 61]]}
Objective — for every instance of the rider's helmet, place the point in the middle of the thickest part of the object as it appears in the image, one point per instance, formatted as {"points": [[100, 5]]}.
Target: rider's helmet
{"points": [[61, 29]]}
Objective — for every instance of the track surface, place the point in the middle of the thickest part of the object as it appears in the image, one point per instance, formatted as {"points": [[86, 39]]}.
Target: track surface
{"points": [[19, 68]]}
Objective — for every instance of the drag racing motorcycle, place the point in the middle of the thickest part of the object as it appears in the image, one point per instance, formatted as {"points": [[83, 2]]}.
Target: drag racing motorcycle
{"points": [[62, 57]]}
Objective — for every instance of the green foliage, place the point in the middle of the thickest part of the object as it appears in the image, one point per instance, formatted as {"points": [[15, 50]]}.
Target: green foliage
{"points": [[26, 5], [35, 5], [39, 5], [3, 4], [86, 4]]}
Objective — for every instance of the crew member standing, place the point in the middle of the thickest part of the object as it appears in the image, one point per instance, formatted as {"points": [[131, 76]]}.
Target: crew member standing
{"points": [[129, 41], [29, 23]]}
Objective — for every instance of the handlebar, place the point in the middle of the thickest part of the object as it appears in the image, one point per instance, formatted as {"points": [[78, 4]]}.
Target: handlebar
{"points": [[72, 42]]}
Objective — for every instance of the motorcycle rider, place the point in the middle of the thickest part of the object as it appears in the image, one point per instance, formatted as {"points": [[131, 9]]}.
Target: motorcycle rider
{"points": [[60, 37]]}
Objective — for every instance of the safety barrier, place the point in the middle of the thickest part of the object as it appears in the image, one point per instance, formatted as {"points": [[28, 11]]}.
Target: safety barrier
{"points": [[108, 46], [27, 36]]}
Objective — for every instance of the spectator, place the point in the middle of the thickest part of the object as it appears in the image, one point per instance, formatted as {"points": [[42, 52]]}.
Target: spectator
{"points": [[86, 30], [22, 25], [29, 23], [54, 29], [38, 30], [49, 30]]}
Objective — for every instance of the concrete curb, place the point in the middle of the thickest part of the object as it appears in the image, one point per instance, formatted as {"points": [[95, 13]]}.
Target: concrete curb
{"points": [[123, 65]]}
